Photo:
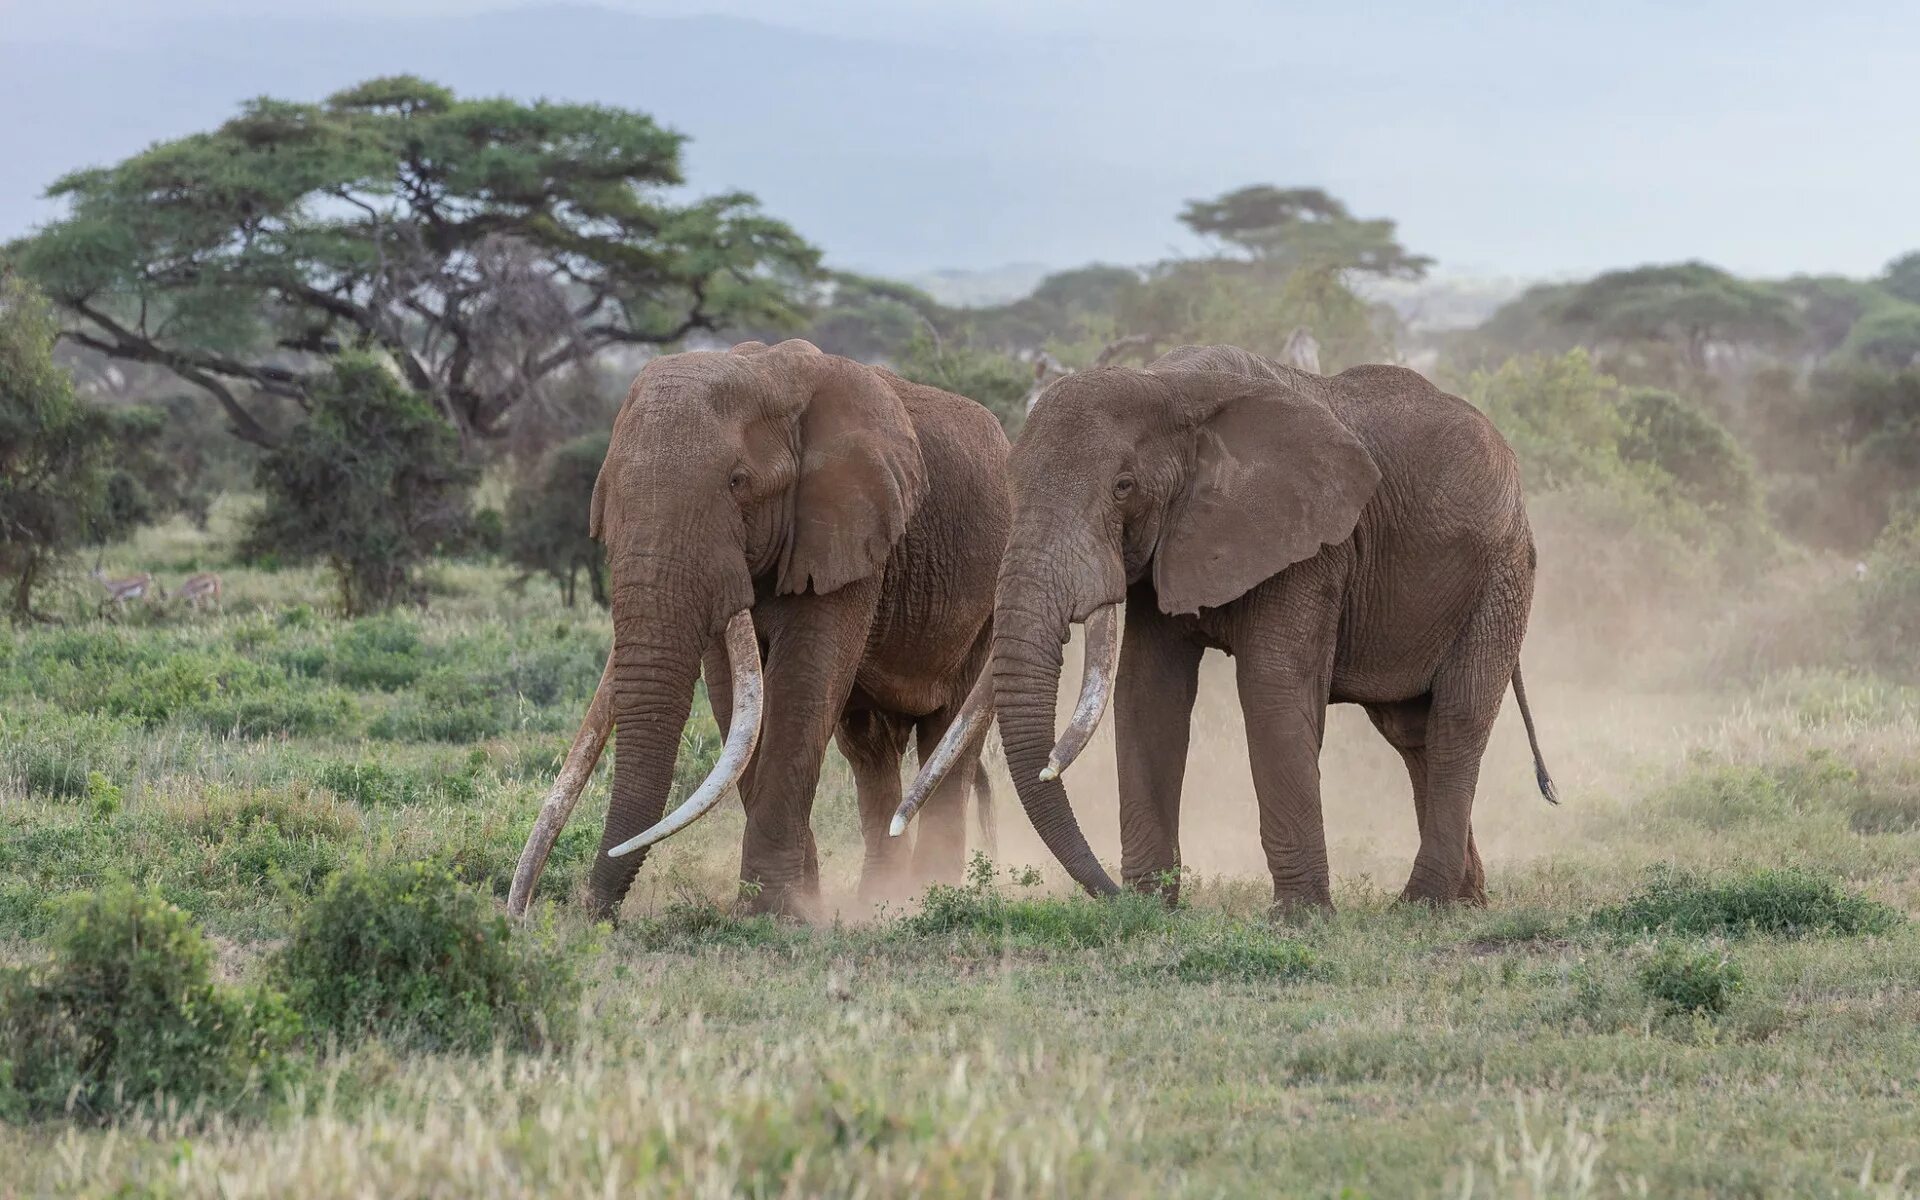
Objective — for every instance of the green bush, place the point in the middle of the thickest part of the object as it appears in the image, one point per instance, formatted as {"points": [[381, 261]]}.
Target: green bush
{"points": [[546, 519], [372, 483], [982, 910], [690, 922], [1789, 902], [1889, 615], [408, 951], [1884, 799], [1239, 951], [1685, 979], [127, 1011]]}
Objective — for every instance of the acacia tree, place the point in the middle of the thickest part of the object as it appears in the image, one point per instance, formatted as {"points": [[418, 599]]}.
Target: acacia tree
{"points": [[482, 245], [1687, 305], [1302, 227]]}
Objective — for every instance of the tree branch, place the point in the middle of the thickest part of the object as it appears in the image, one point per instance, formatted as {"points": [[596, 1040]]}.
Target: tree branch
{"points": [[245, 426]]}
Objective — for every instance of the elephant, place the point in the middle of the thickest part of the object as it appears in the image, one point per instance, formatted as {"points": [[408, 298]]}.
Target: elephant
{"points": [[831, 519], [1358, 539]]}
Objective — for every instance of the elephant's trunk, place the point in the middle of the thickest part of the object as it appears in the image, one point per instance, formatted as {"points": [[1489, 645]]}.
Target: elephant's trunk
{"points": [[743, 734], [1031, 622], [652, 680]]}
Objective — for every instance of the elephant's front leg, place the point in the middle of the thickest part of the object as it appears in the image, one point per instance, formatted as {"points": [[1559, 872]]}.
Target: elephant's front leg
{"points": [[814, 645], [1284, 670], [1152, 723]]}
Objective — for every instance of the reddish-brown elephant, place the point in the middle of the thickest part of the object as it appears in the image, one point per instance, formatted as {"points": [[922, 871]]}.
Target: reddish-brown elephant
{"points": [[1356, 539], [831, 520]]}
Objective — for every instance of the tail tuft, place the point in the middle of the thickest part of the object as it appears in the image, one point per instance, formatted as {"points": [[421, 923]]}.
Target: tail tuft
{"points": [[1533, 740]]}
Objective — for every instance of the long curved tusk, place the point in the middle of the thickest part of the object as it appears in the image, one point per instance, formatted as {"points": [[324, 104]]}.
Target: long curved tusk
{"points": [[1096, 688], [565, 793], [749, 693], [961, 741]]}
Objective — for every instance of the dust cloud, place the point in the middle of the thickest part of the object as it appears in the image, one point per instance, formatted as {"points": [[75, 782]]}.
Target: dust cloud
{"points": [[1597, 739]]}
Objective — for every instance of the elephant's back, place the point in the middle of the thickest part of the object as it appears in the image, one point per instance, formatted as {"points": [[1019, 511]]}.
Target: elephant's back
{"points": [[1431, 446]]}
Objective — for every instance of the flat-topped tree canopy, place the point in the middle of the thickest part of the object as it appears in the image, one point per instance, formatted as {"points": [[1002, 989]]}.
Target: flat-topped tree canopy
{"points": [[480, 244]]}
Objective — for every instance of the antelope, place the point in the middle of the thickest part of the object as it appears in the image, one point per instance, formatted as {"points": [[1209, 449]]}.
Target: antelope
{"points": [[131, 587], [200, 589]]}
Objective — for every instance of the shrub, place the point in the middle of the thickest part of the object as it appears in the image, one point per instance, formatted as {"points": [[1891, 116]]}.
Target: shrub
{"points": [[1889, 616], [691, 921], [1685, 979], [546, 519], [372, 483], [54, 451], [1239, 951], [1789, 901], [409, 951], [998, 382], [127, 1011], [980, 909], [382, 653]]}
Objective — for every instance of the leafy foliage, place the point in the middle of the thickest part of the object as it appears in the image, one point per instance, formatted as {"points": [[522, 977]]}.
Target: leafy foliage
{"points": [[1707, 465], [995, 380], [1686, 979], [1783, 901], [128, 1010], [55, 453], [480, 244], [1302, 228], [546, 518], [1902, 277], [371, 484], [406, 950]]}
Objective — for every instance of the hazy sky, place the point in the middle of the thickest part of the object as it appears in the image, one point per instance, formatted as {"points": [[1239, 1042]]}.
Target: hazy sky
{"points": [[1518, 138]]}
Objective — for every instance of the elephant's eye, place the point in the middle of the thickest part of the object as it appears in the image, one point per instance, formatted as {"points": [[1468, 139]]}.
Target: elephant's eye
{"points": [[1123, 487], [738, 481]]}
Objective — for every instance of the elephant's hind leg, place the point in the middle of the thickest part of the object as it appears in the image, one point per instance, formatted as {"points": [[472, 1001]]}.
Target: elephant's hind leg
{"points": [[1466, 697], [873, 742], [940, 832], [1404, 726]]}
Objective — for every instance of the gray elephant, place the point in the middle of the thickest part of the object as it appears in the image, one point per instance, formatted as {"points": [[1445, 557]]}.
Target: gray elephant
{"points": [[1356, 539], [832, 519]]}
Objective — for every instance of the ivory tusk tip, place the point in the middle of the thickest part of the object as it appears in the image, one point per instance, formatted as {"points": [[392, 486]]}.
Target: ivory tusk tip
{"points": [[1049, 773], [899, 825], [634, 843]]}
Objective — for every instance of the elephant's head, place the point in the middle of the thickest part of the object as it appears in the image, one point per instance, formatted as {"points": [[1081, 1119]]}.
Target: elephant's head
{"points": [[1206, 473], [756, 471]]}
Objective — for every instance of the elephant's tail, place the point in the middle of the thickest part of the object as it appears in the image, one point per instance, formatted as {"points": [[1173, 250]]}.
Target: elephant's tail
{"points": [[1533, 739], [983, 807]]}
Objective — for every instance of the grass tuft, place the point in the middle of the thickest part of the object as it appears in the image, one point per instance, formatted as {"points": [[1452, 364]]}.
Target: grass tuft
{"points": [[1790, 902]]}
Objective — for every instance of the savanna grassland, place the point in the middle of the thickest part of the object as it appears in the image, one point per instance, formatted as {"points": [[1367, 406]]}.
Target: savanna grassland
{"points": [[1699, 976]]}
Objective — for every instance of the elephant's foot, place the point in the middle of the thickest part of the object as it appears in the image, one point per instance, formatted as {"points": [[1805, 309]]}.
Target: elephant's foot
{"points": [[886, 879], [798, 900], [1298, 905], [1471, 892], [1163, 882], [1473, 889], [603, 908]]}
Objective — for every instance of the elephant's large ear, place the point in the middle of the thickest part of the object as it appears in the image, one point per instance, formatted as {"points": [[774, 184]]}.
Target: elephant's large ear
{"points": [[861, 476], [1276, 476]]}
